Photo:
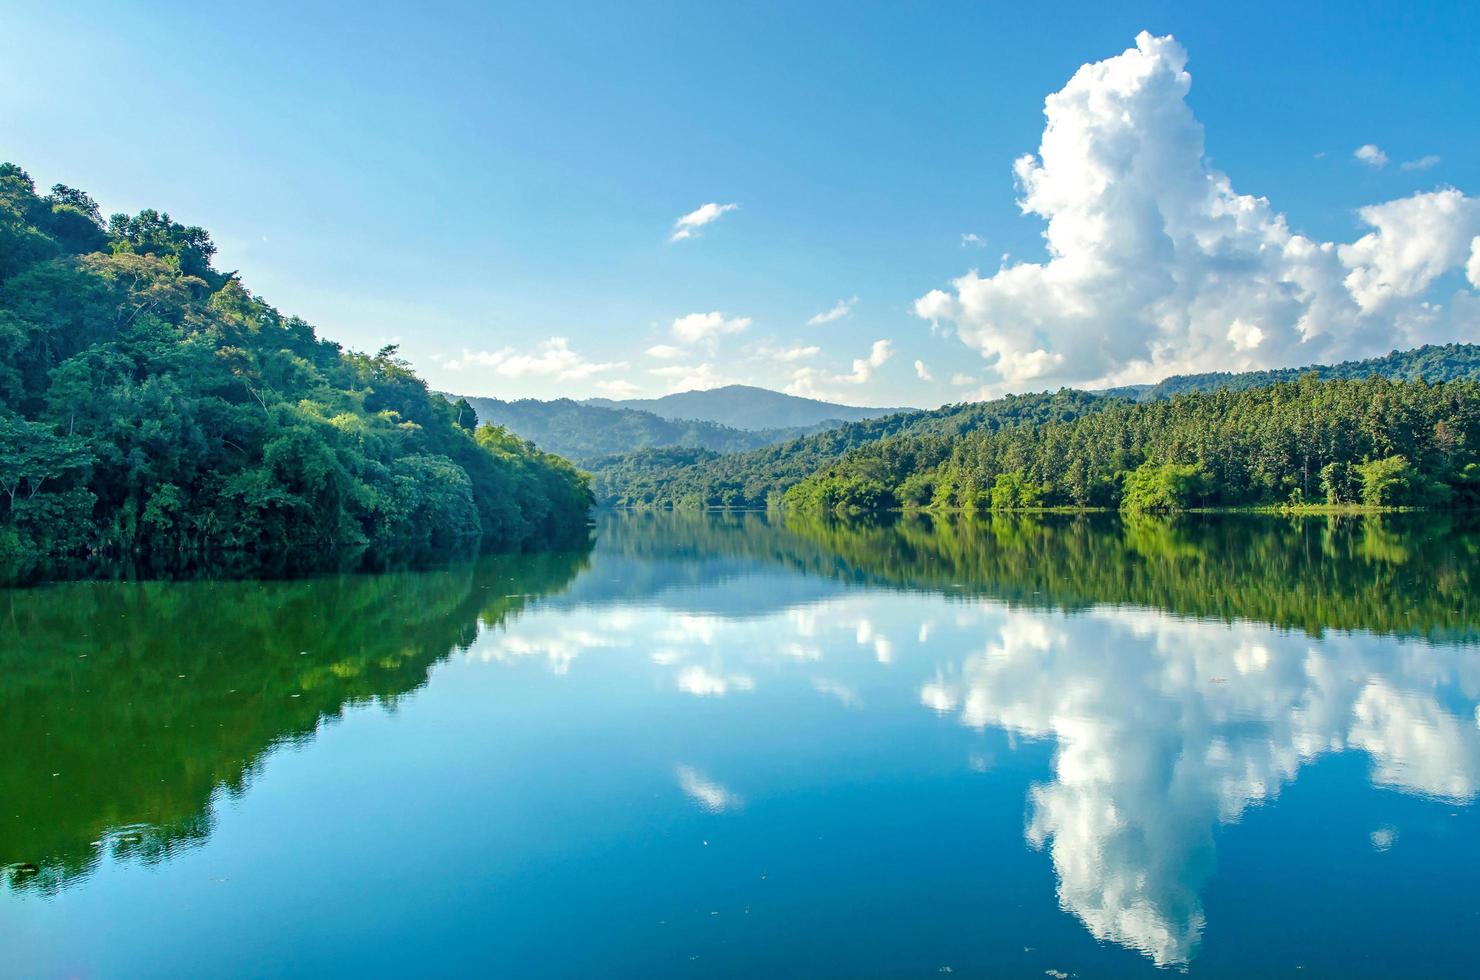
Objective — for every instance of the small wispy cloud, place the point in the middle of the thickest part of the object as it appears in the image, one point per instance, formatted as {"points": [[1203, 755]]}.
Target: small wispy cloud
{"points": [[665, 352], [688, 226], [840, 309], [971, 239], [922, 372], [1422, 163], [618, 388], [552, 359], [786, 355], [1371, 154]]}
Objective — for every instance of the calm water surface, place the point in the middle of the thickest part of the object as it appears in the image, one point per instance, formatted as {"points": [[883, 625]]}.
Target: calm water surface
{"points": [[736, 746]]}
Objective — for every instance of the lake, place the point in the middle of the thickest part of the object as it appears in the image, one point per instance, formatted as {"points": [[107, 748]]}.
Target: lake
{"points": [[733, 745]]}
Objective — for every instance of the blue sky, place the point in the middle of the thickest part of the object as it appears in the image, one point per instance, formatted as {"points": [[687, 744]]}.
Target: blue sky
{"points": [[496, 187]]}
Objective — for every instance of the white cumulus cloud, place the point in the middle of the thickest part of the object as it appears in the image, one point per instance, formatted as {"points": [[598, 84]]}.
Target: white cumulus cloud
{"points": [[1156, 265], [811, 382], [922, 372], [1415, 240], [690, 377], [707, 326], [688, 226]]}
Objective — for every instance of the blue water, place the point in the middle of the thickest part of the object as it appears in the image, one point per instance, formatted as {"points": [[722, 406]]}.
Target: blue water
{"points": [[699, 757]]}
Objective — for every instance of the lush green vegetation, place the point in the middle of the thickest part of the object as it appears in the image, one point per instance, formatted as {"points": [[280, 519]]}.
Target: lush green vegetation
{"points": [[127, 707], [150, 404], [759, 478], [587, 434], [1432, 363], [1375, 443]]}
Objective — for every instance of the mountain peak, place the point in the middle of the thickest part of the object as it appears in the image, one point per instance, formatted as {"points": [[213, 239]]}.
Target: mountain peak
{"points": [[747, 407]]}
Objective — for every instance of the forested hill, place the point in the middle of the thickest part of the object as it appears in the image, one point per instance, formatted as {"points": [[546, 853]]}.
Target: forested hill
{"points": [[1376, 442], [587, 433], [900, 460], [149, 404], [748, 407], [679, 478], [1432, 363]]}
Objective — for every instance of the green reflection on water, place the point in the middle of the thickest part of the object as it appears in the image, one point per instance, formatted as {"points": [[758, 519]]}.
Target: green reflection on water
{"points": [[127, 705]]}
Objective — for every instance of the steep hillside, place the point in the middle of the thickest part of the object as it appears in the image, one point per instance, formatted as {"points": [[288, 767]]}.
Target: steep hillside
{"points": [[151, 406]]}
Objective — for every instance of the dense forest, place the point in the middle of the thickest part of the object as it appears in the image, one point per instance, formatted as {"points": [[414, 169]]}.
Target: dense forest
{"points": [[758, 478], [150, 404], [1374, 442], [588, 434]]}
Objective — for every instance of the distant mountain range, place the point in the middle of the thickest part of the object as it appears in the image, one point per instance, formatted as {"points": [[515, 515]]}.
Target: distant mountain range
{"points": [[747, 407], [587, 434], [722, 420]]}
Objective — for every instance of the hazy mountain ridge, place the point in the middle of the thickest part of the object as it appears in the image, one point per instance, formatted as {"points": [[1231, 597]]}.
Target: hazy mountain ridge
{"points": [[747, 407], [586, 433]]}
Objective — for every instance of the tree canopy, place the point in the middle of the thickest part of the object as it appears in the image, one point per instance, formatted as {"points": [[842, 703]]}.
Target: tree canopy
{"points": [[150, 403], [1377, 442]]}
